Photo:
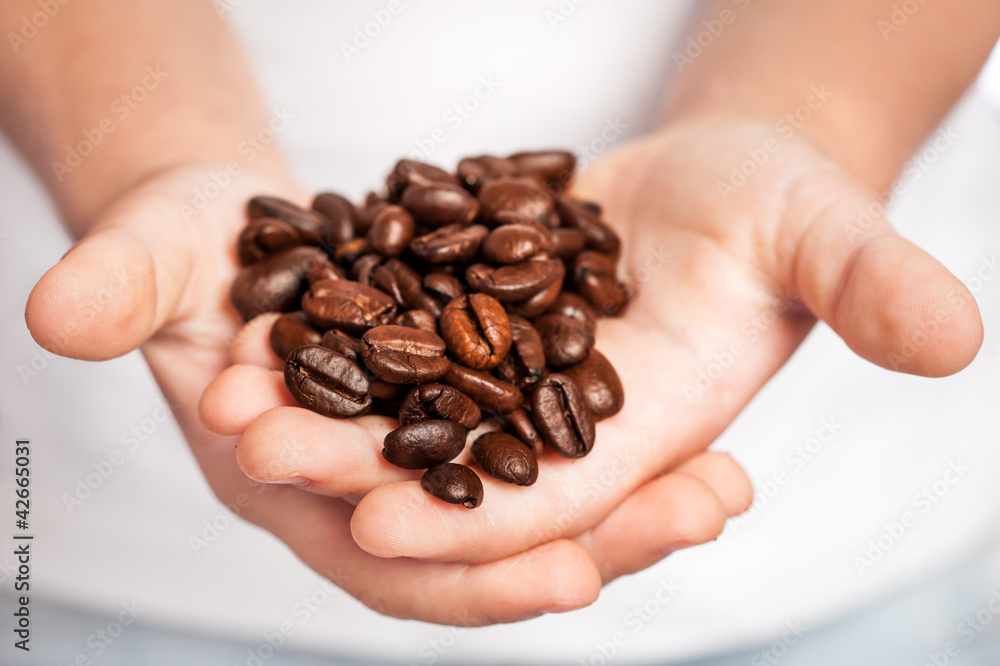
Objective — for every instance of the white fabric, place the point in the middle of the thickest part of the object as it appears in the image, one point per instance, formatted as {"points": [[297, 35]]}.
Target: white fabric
{"points": [[790, 561]]}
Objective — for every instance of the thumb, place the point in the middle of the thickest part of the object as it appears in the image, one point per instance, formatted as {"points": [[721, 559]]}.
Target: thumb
{"points": [[890, 301], [117, 286]]}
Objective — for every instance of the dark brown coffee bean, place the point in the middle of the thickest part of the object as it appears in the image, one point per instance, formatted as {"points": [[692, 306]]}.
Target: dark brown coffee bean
{"points": [[421, 319], [291, 331], [391, 231], [443, 287], [564, 340], [404, 355], [314, 228], [519, 424], [365, 215], [263, 237], [349, 306], [341, 213], [411, 172], [351, 251], [577, 308], [325, 271], [514, 282], [424, 444], [513, 243], [361, 270], [489, 392], [506, 458], [552, 167], [567, 243], [477, 331], [563, 417], [327, 383], [525, 362], [453, 483], [599, 236], [450, 244], [594, 278], [474, 171], [342, 343], [439, 205], [404, 284], [274, 284], [388, 392], [438, 401], [600, 384], [523, 196], [540, 302]]}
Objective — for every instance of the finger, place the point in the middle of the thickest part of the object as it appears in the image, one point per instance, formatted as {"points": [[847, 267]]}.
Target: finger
{"points": [[252, 344], [666, 514], [323, 455], [724, 476], [238, 395], [890, 301]]}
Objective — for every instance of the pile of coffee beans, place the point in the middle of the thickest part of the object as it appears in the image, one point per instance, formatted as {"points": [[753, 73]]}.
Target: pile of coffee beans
{"points": [[446, 301]]}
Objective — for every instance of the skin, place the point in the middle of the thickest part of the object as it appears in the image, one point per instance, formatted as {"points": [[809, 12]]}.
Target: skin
{"points": [[792, 229]]}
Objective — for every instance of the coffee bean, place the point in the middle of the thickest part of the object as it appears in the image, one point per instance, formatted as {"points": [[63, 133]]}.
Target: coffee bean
{"points": [[523, 196], [351, 251], [576, 308], [563, 417], [404, 355], [567, 243], [391, 231], [327, 383], [362, 268], [600, 384], [439, 205], [424, 444], [384, 391], [476, 330], [404, 284], [366, 214], [343, 344], [263, 237], [291, 331], [411, 172], [506, 458], [593, 276], [552, 167], [315, 229], [349, 306], [519, 424], [453, 483], [474, 171], [525, 362], [443, 287], [513, 243], [274, 284], [325, 271], [454, 243], [489, 392], [564, 340], [421, 319], [438, 401], [341, 213], [541, 301], [599, 236], [515, 282]]}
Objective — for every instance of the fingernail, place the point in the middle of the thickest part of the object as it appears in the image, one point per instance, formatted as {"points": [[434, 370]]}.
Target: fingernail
{"points": [[291, 481]]}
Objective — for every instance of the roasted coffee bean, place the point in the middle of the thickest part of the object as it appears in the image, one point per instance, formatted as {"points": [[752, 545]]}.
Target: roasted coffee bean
{"points": [[404, 284], [349, 306], [567, 242], [515, 282], [454, 243], [513, 243], [424, 444], [438, 205], [489, 392], [505, 457], [361, 270], [327, 383], [438, 401], [552, 167], [274, 284], [525, 362], [340, 211], [443, 287], [565, 341], [576, 308], [404, 355], [453, 483], [562, 416], [263, 237], [523, 196], [541, 301], [351, 251], [391, 231], [593, 276], [291, 331], [600, 384], [474, 171], [599, 236], [365, 215], [388, 392], [325, 271], [314, 228], [477, 331], [519, 424], [342, 343], [411, 172], [421, 319]]}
